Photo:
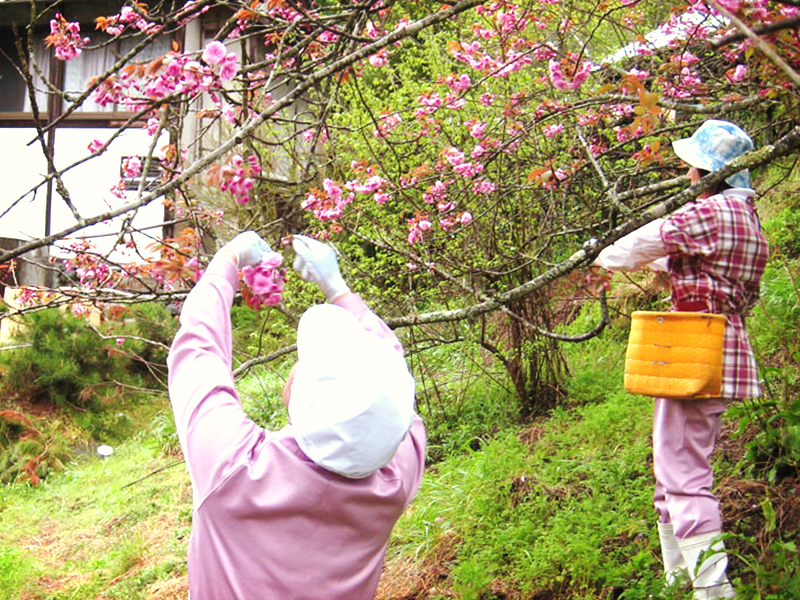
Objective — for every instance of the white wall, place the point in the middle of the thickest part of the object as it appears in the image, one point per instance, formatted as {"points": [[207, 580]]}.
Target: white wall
{"points": [[89, 184]]}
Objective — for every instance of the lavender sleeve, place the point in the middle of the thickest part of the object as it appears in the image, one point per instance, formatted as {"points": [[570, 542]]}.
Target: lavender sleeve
{"points": [[215, 433]]}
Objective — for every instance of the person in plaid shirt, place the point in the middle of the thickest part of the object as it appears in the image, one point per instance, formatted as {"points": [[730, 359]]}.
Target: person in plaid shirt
{"points": [[715, 255]]}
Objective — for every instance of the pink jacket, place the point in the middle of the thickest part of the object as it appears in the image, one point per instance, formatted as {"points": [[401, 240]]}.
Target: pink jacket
{"points": [[267, 522]]}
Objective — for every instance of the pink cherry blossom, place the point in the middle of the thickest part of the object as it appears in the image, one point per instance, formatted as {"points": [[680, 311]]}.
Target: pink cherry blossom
{"points": [[386, 124], [327, 204], [237, 177], [95, 146], [370, 186], [458, 83], [568, 74], [265, 280], [639, 74], [380, 59], [453, 102], [214, 53], [436, 192], [454, 156], [152, 125], [118, 190], [552, 131], [482, 186], [228, 70], [479, 151], [737, 74], [417, 228], [65, 38], [478, 130], [382, 198], [468, 169], [132, 167]]}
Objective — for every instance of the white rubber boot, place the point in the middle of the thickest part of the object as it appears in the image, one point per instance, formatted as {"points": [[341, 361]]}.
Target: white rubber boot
{"points": [[674, 565], [708, 578]]}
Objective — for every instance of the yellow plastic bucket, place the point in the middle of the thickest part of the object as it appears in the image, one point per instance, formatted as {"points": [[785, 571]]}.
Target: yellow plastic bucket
{"points": [[675, 354]]}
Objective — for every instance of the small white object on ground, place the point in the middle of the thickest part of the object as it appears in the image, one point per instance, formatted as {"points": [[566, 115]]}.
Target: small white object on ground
{"points": [[104, 451]]}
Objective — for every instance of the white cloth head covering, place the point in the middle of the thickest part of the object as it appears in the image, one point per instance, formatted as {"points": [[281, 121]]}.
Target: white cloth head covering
{"points": [[713, 145], [352, 398]]}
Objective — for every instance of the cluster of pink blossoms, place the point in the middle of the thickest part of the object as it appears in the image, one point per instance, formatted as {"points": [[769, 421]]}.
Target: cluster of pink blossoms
{"points": [[87, 265], [237, 177], [455, 159], [687, 81], [175, 74], [328, 203], [737, 74], [310, 134], [215, 53], [471, 54], [551, 131], [116, 24], [131, 167], [29, 296], [387, 123], [569, 73], [417, 228], [95, 146], [421, 224], [65, 37], [265, 280]]}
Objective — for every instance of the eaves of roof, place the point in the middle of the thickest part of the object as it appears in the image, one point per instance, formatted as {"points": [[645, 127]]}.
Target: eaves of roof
{"points": [[18, 12]]}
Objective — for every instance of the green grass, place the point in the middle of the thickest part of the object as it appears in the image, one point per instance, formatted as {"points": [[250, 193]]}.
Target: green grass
{"points": [[86, 531], [571, 507]]}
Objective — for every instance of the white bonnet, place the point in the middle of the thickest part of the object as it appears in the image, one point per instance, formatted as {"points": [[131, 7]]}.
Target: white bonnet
{"points": [[352, 398]]}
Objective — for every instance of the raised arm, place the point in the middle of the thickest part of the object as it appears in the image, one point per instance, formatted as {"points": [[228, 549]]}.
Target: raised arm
{"points": [[214, 431], [317, 263]]}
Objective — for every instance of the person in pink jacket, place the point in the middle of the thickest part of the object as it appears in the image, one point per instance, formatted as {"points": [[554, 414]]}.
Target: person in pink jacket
{"points": [[305, 512], [715, 255]]}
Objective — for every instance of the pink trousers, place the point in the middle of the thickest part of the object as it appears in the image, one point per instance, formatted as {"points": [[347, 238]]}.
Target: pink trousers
{"points": [[684, 435]]}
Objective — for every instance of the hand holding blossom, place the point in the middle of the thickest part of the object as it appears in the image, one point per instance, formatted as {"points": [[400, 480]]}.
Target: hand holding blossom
{"points": [[248, 248], [260, 268], [265, 280]]}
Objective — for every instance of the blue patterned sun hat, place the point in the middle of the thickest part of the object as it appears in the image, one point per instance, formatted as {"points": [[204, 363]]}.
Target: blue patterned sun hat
{"points": [[713, 145]]}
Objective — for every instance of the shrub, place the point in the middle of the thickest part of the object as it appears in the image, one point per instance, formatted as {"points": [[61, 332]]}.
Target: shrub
{"points": [[783, 231], [62, 363], [64, 369], [29, 450]]}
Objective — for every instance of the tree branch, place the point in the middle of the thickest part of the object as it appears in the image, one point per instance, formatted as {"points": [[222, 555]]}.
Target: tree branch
{"points": [[248, 129], [762, 45], [583, 257]]}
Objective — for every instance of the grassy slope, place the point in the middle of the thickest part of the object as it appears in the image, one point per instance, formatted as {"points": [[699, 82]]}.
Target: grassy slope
{"points": [[84, 534], [560, 509]]}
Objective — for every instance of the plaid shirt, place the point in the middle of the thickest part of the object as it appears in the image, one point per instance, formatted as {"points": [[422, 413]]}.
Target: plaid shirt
{"points": [[716, 257]]}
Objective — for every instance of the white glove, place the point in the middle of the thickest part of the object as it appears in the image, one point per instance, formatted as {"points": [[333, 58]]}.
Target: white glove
{"points": [[317, 263], [248, 248]]}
